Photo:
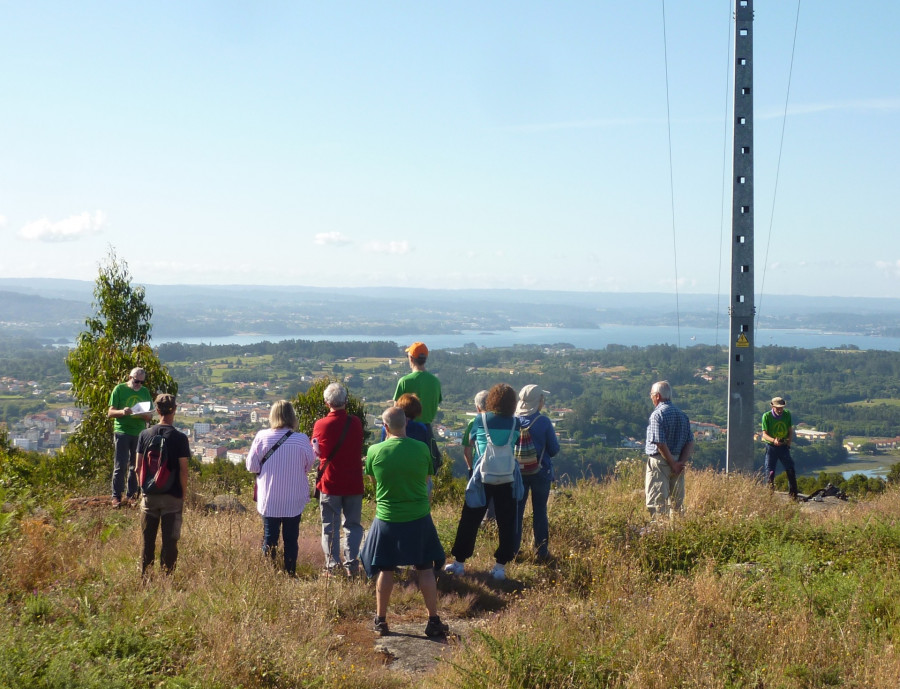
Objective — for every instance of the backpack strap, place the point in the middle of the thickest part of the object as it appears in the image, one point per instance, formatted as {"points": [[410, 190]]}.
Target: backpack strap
{"points": [[331, 454], [511, 431], [273, 448], [487, 431]]}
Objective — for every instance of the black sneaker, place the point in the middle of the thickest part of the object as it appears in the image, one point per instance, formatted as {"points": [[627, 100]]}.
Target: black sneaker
{"points": [[436, 628], [380, 626]]}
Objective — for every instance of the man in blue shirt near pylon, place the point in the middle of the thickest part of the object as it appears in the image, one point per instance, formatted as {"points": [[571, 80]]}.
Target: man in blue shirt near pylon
{"points": [[670, 445]]}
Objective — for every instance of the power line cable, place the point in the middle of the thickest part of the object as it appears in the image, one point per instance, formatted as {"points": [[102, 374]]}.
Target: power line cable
{"points": [[787, 98], [671, 175], [728, 73]]}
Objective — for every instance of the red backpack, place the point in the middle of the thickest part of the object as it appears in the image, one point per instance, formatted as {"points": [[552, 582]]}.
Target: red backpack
{"points": [[154, 474]]}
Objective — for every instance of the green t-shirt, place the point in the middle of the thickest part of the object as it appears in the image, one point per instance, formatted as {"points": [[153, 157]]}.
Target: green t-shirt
{"points": [[467, 439], [779, 427], [123, 395], [428, 389], [401, 467]]}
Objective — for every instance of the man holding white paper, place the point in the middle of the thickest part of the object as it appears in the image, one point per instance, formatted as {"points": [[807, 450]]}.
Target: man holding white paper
{"points": [[127, 405]]}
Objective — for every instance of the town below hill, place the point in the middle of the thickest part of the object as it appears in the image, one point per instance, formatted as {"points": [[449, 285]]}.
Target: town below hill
{"points": [[845, 403]]}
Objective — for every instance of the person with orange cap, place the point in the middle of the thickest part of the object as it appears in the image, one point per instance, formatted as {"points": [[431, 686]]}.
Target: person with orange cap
{"points": [[427, 388]]}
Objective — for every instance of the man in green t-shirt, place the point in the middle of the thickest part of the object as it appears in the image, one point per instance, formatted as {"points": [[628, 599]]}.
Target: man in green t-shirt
{"points": [[777, 433], [427, 388], [128, 422]]}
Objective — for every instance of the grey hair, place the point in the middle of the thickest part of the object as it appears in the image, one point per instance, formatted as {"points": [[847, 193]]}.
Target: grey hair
{"points": [[335, 395], [136, 372], [663, 389], [480, 399], [394, 419]]}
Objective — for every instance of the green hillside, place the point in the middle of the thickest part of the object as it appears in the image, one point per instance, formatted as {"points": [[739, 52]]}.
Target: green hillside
{"points": [[746, 590]]}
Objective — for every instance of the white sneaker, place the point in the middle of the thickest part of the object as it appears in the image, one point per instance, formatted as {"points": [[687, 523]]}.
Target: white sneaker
{"points": [[455, 568], [498, 572]]}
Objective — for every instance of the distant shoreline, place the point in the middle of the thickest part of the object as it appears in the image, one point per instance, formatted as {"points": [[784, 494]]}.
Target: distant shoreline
{"points": [[580, 338]]}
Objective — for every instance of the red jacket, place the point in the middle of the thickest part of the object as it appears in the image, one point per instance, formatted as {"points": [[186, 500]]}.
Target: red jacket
{"points": [[344, 474]]}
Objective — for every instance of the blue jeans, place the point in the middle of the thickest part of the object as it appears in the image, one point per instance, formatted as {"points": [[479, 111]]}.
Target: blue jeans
{"points": [[539, 486], [331, 507], [290, 528], [126, 450]]}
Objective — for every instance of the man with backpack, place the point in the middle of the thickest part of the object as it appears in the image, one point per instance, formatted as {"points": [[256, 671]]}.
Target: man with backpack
{"points": [[536, 445], [162, 471]]}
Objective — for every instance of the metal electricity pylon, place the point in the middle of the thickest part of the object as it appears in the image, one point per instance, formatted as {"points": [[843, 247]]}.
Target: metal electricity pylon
{"points": [[741, 414]]}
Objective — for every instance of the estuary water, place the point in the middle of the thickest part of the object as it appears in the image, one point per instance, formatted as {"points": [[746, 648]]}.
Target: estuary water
{"points": [[582, 338]]}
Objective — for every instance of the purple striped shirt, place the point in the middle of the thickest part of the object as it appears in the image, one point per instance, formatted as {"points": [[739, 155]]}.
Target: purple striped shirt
{"points": [[282, 486]]}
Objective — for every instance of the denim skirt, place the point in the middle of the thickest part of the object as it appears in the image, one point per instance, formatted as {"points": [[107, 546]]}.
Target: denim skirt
{"points": [[397, 544]]}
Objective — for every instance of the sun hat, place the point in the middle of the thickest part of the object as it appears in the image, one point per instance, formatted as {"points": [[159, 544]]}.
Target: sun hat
{"points": [[529, 400]]}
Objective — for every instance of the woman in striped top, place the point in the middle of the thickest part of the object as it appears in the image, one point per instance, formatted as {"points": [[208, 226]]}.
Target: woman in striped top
{"points": [[283, 489]]}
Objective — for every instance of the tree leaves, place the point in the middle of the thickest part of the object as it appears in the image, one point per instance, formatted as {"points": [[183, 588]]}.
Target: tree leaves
{"points": [[117, 340]]}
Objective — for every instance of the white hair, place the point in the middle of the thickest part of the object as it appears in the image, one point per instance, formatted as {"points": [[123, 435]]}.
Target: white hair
{"points": [[663, 389], [335, 395], [480, 399]]}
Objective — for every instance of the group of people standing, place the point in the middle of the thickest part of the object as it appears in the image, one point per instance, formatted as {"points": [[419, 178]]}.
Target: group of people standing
{"points": [[402, 467], [507, 424]]}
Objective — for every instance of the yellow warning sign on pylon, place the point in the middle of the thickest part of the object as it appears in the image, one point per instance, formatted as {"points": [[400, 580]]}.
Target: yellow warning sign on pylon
{"points": [[742, 341]]}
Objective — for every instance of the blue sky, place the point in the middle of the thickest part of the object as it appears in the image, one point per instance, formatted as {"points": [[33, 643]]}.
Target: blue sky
{"points": [[515, 145]]}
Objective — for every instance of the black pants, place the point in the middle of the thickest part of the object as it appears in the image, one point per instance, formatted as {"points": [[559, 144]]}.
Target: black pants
{"points": [[781, 453], [506, 508]]}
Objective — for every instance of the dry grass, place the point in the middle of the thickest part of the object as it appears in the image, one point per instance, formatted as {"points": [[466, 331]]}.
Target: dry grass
{"points": [[744, 590]]}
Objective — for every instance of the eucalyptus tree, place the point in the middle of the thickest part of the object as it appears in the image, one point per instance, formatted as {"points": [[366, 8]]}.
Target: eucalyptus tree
{"points": [[116, 340]]}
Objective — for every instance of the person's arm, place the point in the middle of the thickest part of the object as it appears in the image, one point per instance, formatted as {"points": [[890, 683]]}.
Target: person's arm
{"points": [[686, 452], [467, 455], [766, 436], [790, 436], [183, 474], [309, 457], [676, 465], [253, 456], [114, 413], [551, 442]]}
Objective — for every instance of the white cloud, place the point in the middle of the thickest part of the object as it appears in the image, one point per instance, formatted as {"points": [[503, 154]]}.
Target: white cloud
{"points": [[2, 221], [601, 123], [323, 238], [70, 229], [861, 105], [389, 247], [892, 268]]}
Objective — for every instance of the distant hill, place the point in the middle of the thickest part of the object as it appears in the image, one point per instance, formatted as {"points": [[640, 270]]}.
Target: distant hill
{"points": [[57, 308]]}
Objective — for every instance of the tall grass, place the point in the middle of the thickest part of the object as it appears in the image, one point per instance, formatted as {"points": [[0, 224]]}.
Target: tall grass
{"points": [[743, 590]]}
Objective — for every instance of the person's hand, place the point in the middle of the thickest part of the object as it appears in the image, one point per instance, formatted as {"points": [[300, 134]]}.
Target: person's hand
{"points": [[127, 411]]}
